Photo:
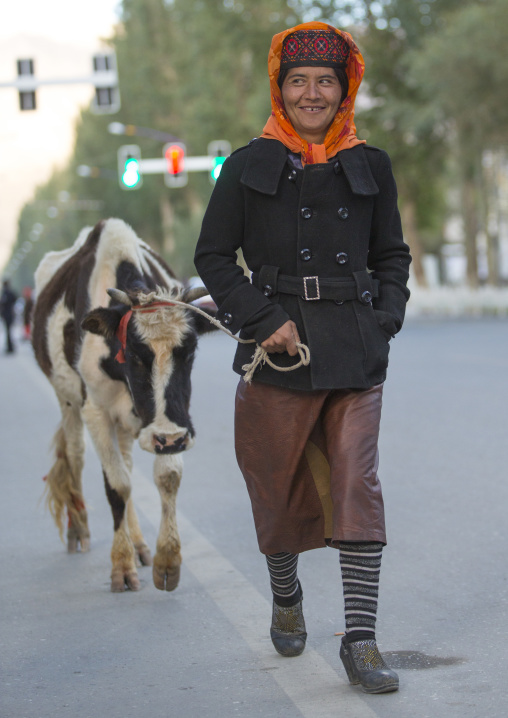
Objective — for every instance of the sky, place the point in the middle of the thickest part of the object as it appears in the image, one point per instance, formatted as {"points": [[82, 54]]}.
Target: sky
{"points": [[61, 36], [57, 19]]}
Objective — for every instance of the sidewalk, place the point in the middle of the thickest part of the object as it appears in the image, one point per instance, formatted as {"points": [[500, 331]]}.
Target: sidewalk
{"points": [[454, 302]]}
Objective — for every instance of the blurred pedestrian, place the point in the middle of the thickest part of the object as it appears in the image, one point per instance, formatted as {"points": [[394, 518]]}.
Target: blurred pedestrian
{"points": [[27, 312], [7, 301], [314, 210]]}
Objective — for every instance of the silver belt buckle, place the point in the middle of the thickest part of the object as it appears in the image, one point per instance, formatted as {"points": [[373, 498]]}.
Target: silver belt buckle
{"points": [[318, 295]]}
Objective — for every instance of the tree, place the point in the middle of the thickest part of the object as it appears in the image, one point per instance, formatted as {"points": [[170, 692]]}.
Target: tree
{"points": [[463, 68], [402, 116]]}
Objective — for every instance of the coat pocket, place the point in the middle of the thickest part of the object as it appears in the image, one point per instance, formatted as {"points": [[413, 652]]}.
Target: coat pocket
{"points": [[375, 341], [387, 323]]}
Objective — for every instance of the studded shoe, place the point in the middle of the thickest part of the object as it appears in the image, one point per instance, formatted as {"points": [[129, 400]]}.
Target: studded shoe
{"points": [[288, 629], [365, 666]]}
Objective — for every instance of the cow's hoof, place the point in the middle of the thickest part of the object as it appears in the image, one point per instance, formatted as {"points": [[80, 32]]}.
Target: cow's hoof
{"points": [[144, 555], [166, 579], [121, 581], [72, 544], [85, 545], [75, 544]]}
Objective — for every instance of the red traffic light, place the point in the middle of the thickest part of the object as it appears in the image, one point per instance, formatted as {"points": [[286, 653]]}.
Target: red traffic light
{"points": [[175, 156], [175, 174]]}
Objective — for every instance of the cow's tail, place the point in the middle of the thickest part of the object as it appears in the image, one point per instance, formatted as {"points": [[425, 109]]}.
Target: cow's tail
{"points": [[61, 492]]}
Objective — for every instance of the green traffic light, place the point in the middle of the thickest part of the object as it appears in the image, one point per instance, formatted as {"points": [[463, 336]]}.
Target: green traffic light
{"points": [[131, 175], [217, 166]]}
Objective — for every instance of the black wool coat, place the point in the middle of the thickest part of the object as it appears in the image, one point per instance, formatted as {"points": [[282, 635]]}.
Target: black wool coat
{"points": [[335, 224]]}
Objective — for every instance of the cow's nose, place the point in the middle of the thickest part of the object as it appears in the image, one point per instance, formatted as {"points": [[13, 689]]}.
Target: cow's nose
{"points": [[170, 443], [179, 444]]}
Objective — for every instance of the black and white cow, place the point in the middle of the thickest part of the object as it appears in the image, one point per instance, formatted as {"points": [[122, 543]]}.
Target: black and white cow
{"points": [[119, 355]]}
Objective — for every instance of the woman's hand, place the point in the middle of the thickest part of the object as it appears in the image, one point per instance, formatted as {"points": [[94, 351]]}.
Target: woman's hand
{"points": [[283, 340]]}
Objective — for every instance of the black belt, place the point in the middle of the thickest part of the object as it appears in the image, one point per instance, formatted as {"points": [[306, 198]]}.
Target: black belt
{"points": [[360, 286]]}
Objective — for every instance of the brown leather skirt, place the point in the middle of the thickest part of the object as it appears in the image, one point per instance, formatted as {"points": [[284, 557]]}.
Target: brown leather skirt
{"points": [[310, 459]]}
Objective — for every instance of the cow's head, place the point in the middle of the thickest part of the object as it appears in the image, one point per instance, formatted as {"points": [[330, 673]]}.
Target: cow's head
{"points": [[152, 344]]}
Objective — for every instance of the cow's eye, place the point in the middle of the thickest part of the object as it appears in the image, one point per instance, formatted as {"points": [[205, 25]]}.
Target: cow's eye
{"points": [[135, 359], [139, 357]]}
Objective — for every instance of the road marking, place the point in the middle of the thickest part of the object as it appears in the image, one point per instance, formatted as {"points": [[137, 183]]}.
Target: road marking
{"points": [[314, 687]]}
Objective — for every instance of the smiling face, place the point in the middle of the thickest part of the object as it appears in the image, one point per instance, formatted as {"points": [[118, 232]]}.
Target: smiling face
{"points": [[311, 97]]}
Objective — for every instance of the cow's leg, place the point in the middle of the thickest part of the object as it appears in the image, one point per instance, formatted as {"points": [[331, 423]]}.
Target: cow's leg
{"points": [[118, 490], [78, 534], [123, 560], [63, 481], [125, 441], [143, 553], [167, 560]]}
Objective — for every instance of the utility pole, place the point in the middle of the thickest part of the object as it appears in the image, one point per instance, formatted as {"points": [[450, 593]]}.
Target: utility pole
{"points": [[118, 128]]}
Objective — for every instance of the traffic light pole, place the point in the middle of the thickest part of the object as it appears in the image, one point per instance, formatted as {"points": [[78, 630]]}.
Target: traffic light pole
{"points": [[26, 84], [157, 165], [104, 78], [174, 164]]}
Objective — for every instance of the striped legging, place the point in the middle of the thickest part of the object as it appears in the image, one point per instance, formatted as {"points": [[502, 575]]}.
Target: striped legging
{"points": [[360, 564]]}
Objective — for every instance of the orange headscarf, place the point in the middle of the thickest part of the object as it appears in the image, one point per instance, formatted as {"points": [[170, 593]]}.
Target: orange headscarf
{"points": [[341, 133]]}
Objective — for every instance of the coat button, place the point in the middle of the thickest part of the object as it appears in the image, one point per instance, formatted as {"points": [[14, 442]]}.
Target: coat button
{"points": [[228, 319], [366, 297], [305, 255], [306, 212], [343, 212], [267, 290], [342, 258], [292, 176], [337, 168]]}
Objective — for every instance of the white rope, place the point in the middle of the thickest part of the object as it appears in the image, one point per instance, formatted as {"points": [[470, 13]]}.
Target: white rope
{"points": [[260, 356]]}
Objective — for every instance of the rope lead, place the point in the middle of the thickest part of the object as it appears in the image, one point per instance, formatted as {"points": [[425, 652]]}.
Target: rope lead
{"points": [[260, 356]]}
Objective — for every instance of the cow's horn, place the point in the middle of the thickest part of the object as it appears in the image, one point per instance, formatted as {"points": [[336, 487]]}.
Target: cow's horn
{"points": [[119, 296], [193, 293]]}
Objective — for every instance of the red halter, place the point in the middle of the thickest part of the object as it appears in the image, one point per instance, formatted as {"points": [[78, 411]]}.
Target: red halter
{"points": [[121, 335]]}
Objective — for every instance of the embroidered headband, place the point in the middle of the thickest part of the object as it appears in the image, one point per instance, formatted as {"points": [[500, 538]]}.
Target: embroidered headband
{"points": [[321, 48]]}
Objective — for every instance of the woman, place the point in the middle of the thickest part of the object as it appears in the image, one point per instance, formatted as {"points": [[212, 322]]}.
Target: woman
{"points": [[314, 211]]}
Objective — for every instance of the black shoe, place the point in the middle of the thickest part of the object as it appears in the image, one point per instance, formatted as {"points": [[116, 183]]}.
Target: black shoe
{"points": [[288, 629], [365, 666]]}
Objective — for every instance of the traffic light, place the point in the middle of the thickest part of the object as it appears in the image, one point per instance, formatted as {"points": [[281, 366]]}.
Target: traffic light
{"points": [[217, 167], [105, 79], [218, 150], [129, 172], [175, 174], [27, 100]]}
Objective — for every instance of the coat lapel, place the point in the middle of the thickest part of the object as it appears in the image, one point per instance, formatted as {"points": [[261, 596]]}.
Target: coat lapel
{"points": [[358, 172], [267, 159]]}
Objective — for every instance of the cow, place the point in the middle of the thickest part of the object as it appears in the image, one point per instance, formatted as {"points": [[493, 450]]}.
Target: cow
{"points": [[119, 355]]}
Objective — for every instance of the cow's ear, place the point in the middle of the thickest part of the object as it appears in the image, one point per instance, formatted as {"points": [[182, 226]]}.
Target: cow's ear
{"points": [[102, 321], [201, 323]]}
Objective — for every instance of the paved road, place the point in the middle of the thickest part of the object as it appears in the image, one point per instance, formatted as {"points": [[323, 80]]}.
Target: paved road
{"points": [[71, 648]]}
